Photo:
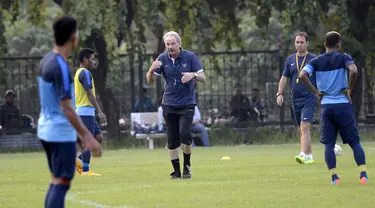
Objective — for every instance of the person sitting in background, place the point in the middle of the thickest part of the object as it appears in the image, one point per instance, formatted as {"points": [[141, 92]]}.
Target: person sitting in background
{"points": [[144, 103], [239, 106], [199, 129], [10, 117], [257, 109]]}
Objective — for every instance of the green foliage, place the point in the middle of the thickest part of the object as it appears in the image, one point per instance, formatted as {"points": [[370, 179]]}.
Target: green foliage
{"points": [[36, 12], [23, 40]]}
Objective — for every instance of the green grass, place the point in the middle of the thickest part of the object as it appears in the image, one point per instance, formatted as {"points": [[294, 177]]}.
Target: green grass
{"points": [[256, 176]]}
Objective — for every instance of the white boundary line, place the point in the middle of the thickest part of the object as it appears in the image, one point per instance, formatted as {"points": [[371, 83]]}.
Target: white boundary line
{"points": [[74, 197]]}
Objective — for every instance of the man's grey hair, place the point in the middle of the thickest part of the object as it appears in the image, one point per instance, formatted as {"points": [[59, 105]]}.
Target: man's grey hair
{"points": [[172, 33]]}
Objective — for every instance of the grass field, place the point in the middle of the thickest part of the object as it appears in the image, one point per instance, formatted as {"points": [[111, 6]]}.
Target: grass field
{"points": [[256, 176]]}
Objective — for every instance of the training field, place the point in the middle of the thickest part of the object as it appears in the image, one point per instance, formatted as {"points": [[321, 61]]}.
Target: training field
{"points": [[256, 176]]}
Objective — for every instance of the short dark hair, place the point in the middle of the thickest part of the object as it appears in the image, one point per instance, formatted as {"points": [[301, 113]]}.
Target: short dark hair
{"points": [[85, 53], [304, 34], [255, 90], [332, 39], [63, 29]]}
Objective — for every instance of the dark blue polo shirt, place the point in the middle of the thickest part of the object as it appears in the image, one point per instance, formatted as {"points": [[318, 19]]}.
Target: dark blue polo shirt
{"points": [[175, 92], [301, 95]]}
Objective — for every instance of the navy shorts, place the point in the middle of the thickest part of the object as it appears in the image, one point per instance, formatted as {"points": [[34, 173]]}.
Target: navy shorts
{"points": [[91, 124], [338, 118], [61, 157], [304, 113]]}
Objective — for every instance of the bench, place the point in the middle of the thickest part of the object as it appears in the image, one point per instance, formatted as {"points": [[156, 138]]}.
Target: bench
{"points": [[145, 126]]}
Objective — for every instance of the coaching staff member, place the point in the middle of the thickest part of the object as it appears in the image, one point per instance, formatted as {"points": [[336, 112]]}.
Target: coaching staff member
{"points": [[179, 68]]}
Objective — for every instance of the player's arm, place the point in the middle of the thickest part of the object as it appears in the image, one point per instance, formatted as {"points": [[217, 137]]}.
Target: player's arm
{"points": [[353, 71], [155, 69], [282, 84], [85, 79], [93, 100], [62, 83], [196, 71], [74, 119], [304, 77]]}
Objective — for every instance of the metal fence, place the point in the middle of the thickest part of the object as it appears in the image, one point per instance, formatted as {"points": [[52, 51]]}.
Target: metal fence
{"points": [[252, 69]]}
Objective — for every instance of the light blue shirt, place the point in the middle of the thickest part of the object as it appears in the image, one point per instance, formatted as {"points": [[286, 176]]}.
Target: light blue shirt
{"points": [[331, 76], [55, 83]]}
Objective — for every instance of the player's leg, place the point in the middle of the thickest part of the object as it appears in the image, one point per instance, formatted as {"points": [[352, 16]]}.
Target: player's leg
{"points": [[63, 165], [85, 156], [297, 115], [349, 134], [47, 149], [329, 135], [185, 123], [171, 121], [307, 115], [99, 137]]}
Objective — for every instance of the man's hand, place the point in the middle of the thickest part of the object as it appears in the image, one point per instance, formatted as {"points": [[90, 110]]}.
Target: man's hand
{"points": [[187, 76], [90, 143], [103, 119], [319, 96], [155, 65], [348, 94], [280, 100]]}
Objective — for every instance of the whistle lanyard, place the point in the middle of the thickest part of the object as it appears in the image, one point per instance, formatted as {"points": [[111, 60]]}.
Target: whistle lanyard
{"points": [[299, 68]]}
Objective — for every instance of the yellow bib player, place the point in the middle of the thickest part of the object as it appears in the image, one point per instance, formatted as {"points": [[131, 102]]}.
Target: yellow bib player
{"points": [[86, 105]]}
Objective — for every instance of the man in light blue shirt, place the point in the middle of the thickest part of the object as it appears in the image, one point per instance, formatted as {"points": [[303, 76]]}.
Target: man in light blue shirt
{"points": [[334, 92], [58, 122]]}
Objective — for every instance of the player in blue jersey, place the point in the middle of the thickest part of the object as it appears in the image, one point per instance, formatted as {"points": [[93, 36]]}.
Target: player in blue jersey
{"points": [[303, 100], [334, 93], [58, 123]]}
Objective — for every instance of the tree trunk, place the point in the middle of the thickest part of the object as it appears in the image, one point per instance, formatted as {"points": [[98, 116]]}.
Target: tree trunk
{"points": [[3, 44], [107, 98], [358, 11]]}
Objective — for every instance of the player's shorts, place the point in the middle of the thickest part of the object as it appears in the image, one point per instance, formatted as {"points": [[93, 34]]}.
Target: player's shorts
{"points": [[304, 113], [91, 124], [338, 118], [61, 157]]}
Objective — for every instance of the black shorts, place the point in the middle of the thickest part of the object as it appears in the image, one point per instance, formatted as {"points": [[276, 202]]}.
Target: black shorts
{"points": [[179, 122], [61, 157]]}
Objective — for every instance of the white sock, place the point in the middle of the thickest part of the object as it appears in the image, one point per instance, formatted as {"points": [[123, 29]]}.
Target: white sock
{"points": [[309, 156], [302, 154]]}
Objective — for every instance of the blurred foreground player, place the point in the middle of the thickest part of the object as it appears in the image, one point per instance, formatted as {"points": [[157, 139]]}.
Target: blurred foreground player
{"points": [[58, 123], [336, 112], [179, 68], [86, 104]]}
